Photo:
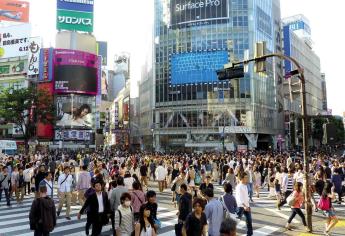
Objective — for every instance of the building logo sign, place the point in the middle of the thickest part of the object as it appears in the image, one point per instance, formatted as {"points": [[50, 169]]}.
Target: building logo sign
{"points": [[74, 21], [14, 41], [236, 130], [34, 56], [187, 13]]}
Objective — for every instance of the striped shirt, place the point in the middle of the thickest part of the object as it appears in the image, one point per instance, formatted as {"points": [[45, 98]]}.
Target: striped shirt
{"points": [[290, 183], [127, 220]]}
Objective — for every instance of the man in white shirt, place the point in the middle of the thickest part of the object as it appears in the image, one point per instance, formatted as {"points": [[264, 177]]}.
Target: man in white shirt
{"points": [[161, 174], [47, 181], [65, 191], [242, 200]]}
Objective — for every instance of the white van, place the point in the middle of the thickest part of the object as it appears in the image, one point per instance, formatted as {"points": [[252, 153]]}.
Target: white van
{"points": [[8, 147]]}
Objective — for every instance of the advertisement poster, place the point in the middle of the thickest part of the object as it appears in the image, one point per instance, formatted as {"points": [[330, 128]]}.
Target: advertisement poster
{"points": [[73, 135], [75, 111], [74, 21], [186, 13], [75, 72], [34, 55], [76, 5], [12, 10], [102, 50], [14, 41]]}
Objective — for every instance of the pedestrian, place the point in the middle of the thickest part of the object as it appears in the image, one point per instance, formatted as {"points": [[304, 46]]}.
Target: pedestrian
{"points": [[230, 178], [325, 204], [124, 218], [145, 225], [151, 203], [296, 206], [185, 207], [14, 181], [337, 183], [64, 191], [228, 227], [196, 222], [257, 183], [287, 186], [206, 185], [242, 200], [20, 188], [214, 212], [98, 209], [128, 180], [228, 200], [27, 178], [42, 214], [40, 175], [143, 174], [161, 174], [117, 193], [83, 183], [4, 185], [49, 183], [138, 199]]}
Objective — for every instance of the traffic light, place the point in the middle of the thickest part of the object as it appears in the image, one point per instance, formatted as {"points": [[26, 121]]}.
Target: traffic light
{"points": [[230, 73], [260, 50]]}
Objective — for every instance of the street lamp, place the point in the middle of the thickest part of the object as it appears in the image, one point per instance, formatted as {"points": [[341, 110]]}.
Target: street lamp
{"points": [[153, 137], [235, 70]]}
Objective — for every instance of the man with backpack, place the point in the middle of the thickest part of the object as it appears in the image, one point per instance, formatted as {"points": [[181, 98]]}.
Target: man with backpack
{"points": [[42, 214]]}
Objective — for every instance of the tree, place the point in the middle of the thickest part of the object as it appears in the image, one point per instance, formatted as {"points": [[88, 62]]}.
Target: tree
{"points": [[318, 128], [25, 107]]}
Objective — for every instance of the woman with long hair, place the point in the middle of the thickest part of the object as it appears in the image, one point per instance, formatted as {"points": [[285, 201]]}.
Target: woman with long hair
{"points": [[145, 226], [296, 207], [327, 196]]}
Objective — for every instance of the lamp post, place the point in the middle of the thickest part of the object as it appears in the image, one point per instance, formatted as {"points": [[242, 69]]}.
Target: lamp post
{"points": [[236, 70], [153, 137]]}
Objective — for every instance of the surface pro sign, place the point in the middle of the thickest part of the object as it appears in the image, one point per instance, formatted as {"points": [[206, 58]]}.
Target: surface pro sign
{"points": [[186, 13]]}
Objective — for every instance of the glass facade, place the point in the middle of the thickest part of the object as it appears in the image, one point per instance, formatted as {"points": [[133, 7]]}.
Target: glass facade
{"points": [[190, 103]]}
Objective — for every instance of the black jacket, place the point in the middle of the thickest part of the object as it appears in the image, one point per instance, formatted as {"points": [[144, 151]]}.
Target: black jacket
{"points": [[91, 204], [43, 214], [38, 178], [185, 206]]}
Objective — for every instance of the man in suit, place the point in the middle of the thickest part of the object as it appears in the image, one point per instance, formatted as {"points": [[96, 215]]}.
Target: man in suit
{"points": [[98, 208]]}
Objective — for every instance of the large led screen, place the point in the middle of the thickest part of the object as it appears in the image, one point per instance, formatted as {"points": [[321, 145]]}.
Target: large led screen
{"points": [[186, 13], [75, 72], [197, 67], [75, 111]]}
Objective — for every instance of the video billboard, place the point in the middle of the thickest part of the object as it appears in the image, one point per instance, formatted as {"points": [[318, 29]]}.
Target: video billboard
{"points": [[12, 10], [76, 72], [75, 111], [186, 13], [196, 67], [14, 40]]}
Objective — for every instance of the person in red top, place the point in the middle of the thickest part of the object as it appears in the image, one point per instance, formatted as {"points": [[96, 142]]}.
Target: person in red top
{"points": [[296, 207]]}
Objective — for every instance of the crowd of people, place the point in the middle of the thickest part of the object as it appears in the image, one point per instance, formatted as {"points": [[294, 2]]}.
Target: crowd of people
{"points": [[116, 188]]}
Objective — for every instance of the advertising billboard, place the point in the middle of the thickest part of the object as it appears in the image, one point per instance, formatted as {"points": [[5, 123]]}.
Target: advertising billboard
{"points": [[76, 5], [74, 21], [75, 72], [186, 13], [12, 10], [45, 130], [75, 111], [34, 55], [12, 67], [14, 41], [196, 67], [46, 65]]}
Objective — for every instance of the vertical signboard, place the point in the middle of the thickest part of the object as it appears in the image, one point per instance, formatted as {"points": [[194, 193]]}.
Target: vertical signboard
{"points": [[46, 65], [102, 50], [34, 56]]}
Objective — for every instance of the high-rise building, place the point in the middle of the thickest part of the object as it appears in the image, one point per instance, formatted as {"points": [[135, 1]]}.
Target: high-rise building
{"points": [[299, 45], [192, 109]]}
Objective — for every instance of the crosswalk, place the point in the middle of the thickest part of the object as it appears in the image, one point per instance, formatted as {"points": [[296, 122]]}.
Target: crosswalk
{"points": [[14, 220]]}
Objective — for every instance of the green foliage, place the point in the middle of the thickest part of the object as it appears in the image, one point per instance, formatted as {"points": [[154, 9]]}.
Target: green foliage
{"points": [[318, 123], [26, 107]]}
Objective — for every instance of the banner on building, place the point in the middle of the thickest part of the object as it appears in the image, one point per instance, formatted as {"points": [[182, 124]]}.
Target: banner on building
{"points": [[34, 55], [14, 41], [12, 10], [76, 5], [102, 50], [46, 65], [72, 135], [74, 21]]}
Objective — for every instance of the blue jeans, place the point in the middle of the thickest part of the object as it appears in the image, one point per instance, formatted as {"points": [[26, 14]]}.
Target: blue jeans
{"points": [[7, 195], [250, 190], [249, 221]]}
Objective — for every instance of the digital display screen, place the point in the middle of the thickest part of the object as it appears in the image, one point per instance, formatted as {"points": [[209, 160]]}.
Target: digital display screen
{"points": [[197, 67]]}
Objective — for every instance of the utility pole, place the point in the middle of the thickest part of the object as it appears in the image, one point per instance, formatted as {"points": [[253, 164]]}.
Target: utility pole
{"points": [[235, 70]]}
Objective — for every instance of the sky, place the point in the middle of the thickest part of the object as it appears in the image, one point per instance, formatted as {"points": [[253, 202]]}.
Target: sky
{"points": [[126, 25]]}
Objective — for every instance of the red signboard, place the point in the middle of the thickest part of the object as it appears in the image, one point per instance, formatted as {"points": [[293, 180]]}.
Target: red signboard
{"points": [[45, 130]]}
